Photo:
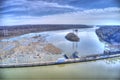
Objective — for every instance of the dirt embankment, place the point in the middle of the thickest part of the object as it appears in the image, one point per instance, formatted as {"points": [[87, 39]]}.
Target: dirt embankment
{"points": [[50, 48], [26, 50]]}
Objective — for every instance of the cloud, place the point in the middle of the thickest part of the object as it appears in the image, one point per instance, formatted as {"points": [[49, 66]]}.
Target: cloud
{"points": [[34, 7], [103, 10], [94, 16], [58, 5]]}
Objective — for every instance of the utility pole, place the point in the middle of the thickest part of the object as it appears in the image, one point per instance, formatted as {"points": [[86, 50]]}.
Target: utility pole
{"points": [[5, 32]]}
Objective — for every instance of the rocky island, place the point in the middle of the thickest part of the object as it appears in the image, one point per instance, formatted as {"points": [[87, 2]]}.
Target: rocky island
{"points": [[72, 37]]}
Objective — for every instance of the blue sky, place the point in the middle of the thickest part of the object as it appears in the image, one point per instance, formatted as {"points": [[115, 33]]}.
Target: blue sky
{"points": [[90, 12]]}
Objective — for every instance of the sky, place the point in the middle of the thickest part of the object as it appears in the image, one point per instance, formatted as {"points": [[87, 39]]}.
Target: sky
{"points": [[89, 12]]}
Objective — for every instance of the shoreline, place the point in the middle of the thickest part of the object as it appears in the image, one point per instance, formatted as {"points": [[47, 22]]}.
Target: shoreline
{"points": [[110, 35], [11, 31], [67, 61], [30, 48]]}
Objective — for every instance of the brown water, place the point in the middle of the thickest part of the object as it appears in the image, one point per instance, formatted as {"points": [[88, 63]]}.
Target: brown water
{"points": [[102, 70]]}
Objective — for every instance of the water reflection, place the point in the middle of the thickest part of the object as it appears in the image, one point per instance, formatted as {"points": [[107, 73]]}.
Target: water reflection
{"points": [[1, 75], [74, 45], [89, 42], [112, 61], [75, 48]]}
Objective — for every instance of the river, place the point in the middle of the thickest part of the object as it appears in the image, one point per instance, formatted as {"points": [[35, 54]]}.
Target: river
{"points": [[89, 44], [103, 69]]}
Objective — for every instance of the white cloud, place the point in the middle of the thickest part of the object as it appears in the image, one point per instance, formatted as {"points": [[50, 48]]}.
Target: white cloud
{"points": [[94, 16], [34, 5], [58, 5]]}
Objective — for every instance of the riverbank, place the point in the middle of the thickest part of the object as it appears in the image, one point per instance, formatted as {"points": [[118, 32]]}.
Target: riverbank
{"points": [[67, 61], [27, 48], [11, 31], [109, 34]]}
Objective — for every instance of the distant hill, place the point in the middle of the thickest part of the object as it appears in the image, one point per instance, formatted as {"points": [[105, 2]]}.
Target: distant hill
{"points": [[109, 34], [7, 31]]}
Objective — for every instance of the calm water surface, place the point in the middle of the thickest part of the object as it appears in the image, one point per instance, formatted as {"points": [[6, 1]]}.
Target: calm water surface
{"points": [[89, 44], [82, 71]]}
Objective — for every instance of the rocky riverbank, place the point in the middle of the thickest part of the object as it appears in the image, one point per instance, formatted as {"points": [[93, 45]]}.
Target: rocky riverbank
{"points": [[109, 34]]}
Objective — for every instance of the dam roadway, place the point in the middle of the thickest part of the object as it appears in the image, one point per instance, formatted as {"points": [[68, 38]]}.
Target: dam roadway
{"points": [[65, 61]]}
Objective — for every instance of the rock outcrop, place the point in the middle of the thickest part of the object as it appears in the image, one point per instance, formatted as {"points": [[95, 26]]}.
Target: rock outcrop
{"points": [[72, 37]]}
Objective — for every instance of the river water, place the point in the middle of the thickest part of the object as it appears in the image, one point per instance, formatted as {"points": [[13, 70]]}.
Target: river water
{"points": [[89, 44], [97, 70]]}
